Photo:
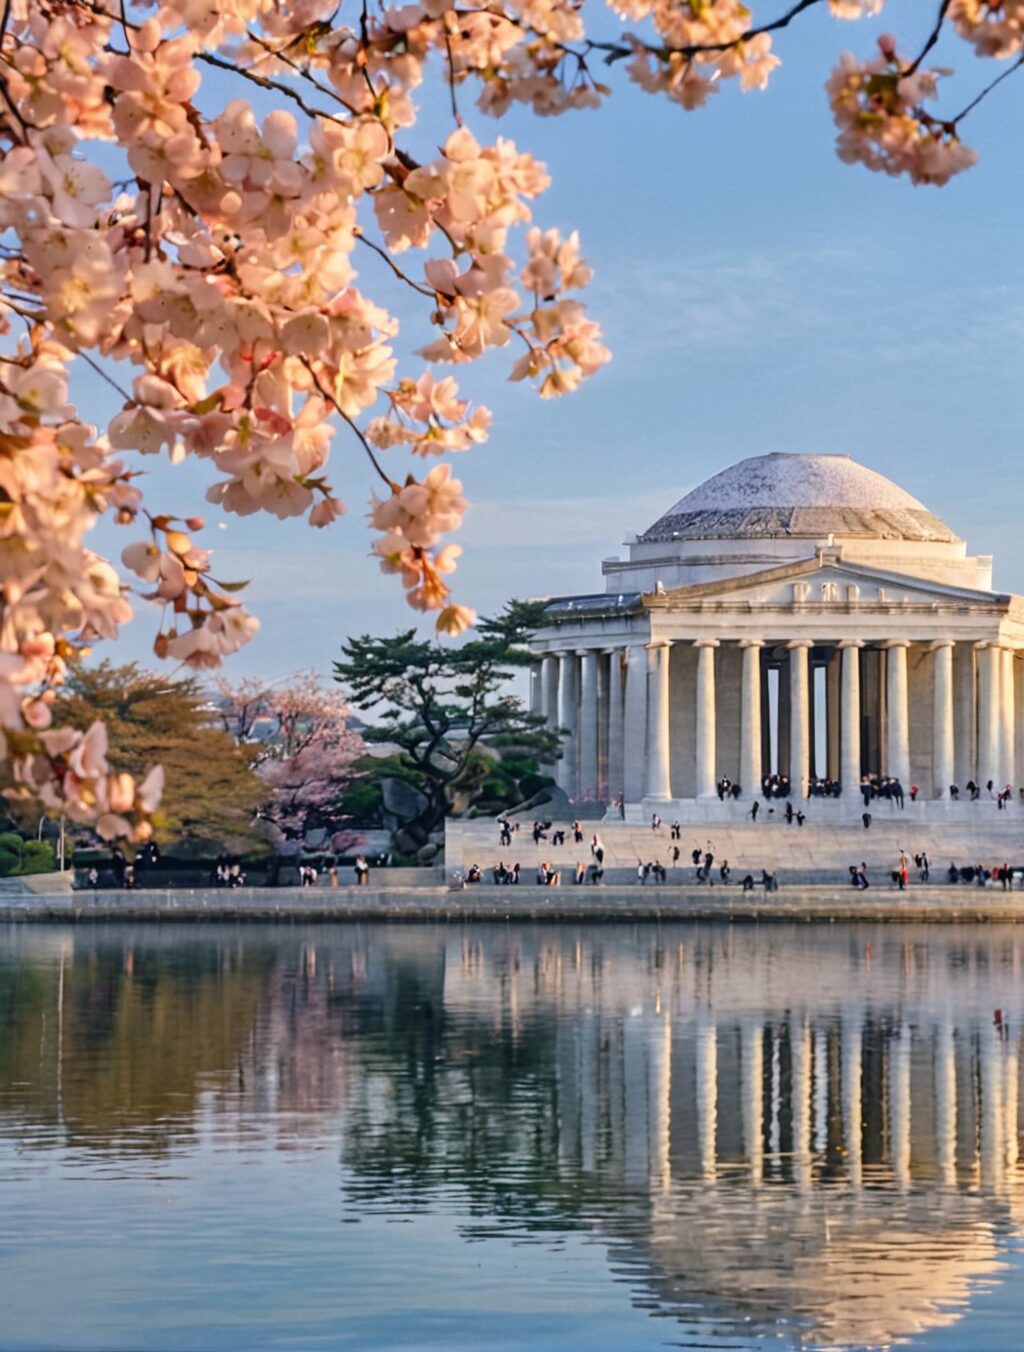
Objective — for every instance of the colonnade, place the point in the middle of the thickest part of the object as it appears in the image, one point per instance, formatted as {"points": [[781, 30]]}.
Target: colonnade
{"points": [[616, 707], [781, 1094]]}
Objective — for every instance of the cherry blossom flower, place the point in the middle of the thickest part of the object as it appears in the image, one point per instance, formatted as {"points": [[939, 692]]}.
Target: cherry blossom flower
{"points": [[231, 270]]}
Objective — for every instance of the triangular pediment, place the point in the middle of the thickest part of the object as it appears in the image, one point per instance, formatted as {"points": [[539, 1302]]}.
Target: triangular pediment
{"points": [[824, 581]]}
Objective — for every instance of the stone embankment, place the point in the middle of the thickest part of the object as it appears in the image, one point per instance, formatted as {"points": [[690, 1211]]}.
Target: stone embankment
{"points": [[940, 903]]}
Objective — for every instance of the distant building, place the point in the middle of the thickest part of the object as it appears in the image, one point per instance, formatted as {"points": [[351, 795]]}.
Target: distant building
{"points": [[797, 615]]}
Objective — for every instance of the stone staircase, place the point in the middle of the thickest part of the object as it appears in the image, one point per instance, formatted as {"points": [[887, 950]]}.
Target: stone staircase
{"points": [[813, 853]]}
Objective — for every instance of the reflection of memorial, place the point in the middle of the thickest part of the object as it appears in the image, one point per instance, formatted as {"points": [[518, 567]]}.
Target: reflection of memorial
{"points": [[810, 1129], [841, 1159]]}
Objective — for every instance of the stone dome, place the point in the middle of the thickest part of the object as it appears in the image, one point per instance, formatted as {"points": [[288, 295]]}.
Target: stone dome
{"points": [[808, 496]]}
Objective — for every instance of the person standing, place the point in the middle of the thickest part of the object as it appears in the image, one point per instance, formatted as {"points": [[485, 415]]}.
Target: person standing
{"points": [[362, 871]]}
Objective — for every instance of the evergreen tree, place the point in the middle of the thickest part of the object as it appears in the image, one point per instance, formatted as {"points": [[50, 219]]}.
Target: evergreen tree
{"points": [[441, 706]]}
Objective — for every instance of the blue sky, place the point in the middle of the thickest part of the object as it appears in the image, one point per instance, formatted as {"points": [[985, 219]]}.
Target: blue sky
{"points": [[758, 296]]}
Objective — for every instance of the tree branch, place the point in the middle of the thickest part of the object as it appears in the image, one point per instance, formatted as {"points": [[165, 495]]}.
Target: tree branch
{"points": [[617, 51], [1010, 70], [931, 40]]}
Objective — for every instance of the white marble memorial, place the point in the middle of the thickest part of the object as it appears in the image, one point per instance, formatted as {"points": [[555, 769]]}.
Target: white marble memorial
{"points": [[798, 615]]}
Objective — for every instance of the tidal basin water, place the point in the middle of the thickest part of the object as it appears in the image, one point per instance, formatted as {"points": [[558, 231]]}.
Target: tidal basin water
{"points": [[513, 1137]]}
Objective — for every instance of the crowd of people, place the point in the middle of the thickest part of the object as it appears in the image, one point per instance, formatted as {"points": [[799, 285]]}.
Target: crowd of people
{"points": [[884, 787], [1003, 874], [706, 872], [231, 875]]}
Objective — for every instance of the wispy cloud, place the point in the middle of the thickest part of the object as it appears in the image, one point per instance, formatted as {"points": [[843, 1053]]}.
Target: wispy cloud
{"points": [[546, 523], [726, 300]]}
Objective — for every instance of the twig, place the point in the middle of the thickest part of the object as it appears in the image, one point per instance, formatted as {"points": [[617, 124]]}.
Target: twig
{"points": [[90, 361], [988, 89], [932, 39], [402, 276], [303, 71], [451, 77], [616, 51], [265, 82], [351, 422]]}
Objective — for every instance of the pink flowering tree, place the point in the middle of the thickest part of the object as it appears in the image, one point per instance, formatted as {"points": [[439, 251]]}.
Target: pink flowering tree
{"points": [[302, 748], [214, 204]]}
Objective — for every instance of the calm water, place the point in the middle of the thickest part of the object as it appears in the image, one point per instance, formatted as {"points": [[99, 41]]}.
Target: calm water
{"points": [[518, 1137]]}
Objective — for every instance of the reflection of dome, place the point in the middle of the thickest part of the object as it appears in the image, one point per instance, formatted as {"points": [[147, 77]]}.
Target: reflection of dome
{"points": [[840, 1269], [802, 495]]}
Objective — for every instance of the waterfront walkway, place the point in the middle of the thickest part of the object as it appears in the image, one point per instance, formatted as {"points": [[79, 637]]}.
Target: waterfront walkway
{"points": [[938, 903]]}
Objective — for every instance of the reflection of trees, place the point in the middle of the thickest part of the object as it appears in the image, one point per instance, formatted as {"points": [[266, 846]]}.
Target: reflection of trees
{"points": [[756, 1124], [114, 1040]]}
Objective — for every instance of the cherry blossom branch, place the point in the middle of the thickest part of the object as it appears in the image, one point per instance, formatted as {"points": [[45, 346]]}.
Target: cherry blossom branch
{"points": [[619, 51], [266, 82], [427, 291], [303, 72], [931, 40], [1010, 70], [451, 77], [350, 421], [105, 375]]}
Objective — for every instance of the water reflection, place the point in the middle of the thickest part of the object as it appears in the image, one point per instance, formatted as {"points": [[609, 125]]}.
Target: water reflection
{"points": [[810, 1133]]}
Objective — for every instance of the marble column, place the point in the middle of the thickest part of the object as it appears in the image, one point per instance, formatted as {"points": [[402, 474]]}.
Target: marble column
{"points": [[635, 722], [750, 718], [1008, 760], [942, 717], [988, 713], [851, 1072], [658, 780], [964, 716], [1018, 708], [1010, 1100], [752, 1090], [568, 717], [549, 689], [659, 1111], [800, 1081], [897, 711], [945, 1102], [587, 729], [706, 1050], [993, 1118], [602, 724], [616, 658], [706, 715], [899, 1106], [536, 695], [799, 716], [819, 1039], [849, 704]]}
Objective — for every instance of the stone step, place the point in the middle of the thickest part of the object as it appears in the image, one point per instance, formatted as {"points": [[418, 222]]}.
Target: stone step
{"points": [[817, 851]]}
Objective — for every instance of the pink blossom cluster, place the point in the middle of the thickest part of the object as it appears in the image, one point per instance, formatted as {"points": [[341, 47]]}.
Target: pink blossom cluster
{"points": [[68, 774], [304, 756], [206, 623], [882, 124], [212, 203], [993, 27], [702, 43]]}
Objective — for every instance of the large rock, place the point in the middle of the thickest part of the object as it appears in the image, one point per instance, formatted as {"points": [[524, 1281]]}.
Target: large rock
{"points": [[402, 801]]}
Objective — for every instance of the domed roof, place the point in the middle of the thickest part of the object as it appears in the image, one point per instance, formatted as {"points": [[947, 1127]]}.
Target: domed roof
{"points": [[803, 495]]}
